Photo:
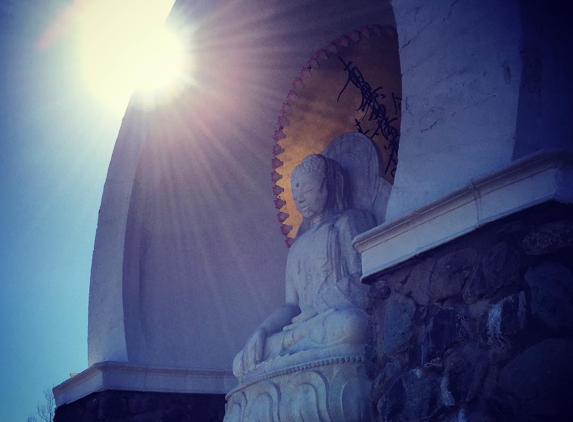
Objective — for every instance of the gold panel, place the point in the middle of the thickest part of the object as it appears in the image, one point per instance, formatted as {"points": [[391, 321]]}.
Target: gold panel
{"points": [[356, 88]]}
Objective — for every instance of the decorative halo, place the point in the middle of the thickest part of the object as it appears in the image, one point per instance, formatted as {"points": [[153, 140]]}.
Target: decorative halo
{"points": [[359, 160], [353, 85]]}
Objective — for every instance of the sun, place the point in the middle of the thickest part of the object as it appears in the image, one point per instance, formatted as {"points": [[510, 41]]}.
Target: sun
{"points": [[160, 64], [124, 48]]}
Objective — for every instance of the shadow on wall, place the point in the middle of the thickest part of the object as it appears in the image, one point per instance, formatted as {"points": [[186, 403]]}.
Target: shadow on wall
{"points": [[545, 95]]}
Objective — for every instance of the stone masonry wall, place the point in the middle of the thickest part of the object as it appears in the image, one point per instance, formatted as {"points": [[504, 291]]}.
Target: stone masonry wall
{"points": [[480, 329], [131, 406]]}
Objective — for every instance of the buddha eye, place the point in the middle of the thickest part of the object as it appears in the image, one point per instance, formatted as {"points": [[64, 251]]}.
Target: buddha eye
{"points": [[297, 185]]}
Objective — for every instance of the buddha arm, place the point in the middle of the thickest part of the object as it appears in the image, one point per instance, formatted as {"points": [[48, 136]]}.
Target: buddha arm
{"points": [[254, 349], [282, 316], [343, 289], [279, 318]]}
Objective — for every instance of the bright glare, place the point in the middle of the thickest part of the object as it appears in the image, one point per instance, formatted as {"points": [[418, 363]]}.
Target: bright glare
{"points": [[161, 63], [124, 46]]}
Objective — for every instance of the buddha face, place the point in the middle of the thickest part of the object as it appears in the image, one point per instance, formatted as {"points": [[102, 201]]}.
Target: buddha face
{"points": [[310, 194]]}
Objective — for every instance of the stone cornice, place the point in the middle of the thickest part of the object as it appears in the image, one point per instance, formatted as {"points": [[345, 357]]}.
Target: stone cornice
{"points": [[535, 179], [130, 377]]}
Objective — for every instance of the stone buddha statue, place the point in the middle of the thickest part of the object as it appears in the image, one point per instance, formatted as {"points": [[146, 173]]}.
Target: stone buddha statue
{"points": [[324, 297], [306, 360]]}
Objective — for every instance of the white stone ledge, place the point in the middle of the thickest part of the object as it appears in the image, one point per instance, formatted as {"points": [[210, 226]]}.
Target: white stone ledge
{"points": [[129, 377], [532, 180]]}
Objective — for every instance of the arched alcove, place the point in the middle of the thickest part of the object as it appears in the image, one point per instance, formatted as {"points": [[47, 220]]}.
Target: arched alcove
{"points": [[199, 261]]}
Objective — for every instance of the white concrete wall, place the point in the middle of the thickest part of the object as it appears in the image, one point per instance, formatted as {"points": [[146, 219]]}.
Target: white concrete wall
{"points": [[460, 86], [106, 330], [545, 99], [484, 82], [191, 259]]}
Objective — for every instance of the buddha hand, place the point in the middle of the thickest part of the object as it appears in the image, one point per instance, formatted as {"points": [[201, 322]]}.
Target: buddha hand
{"points": [[254, 349]]}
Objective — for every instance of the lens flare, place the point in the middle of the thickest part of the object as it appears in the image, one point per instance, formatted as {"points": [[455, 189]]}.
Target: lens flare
{"points": [[124, 47], [161, 63]]}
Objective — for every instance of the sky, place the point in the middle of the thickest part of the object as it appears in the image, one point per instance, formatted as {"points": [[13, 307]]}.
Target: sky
{"points": [[57, 132]]}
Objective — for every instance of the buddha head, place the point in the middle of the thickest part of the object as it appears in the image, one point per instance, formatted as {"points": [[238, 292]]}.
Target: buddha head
{"points": [[318, 189]]}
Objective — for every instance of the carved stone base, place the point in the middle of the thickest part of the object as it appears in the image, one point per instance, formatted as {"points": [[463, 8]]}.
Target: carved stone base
{"points": [[333, 389]]}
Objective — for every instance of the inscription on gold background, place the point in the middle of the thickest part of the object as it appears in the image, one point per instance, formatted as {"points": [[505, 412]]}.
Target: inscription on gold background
{"points": [[356, 89]]}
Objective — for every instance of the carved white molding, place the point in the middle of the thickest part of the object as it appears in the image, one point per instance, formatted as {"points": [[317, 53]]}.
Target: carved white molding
{"points": [[128, 377], [535, 179], [334, 389]]}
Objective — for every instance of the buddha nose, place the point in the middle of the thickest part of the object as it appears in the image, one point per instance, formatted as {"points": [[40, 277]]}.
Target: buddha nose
{"points": [[299, 198]]}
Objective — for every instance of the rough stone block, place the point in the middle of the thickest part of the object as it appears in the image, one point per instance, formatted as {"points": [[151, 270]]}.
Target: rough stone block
{"points": [[418, 281], [540, 378], [132, 406], [482, 355], [464, 371], [396, 329], [451, 272], [386, 373], [92, 404], [174, 414], [113, 406], [500, 267], [148, 417], [475, 287], [378, 292], [414, 396], [551, 294], [548, 238], [447, 328], [141, 404]]}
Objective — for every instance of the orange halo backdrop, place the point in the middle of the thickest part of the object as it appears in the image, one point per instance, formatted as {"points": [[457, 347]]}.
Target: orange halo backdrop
{"points": [[353, 84]]}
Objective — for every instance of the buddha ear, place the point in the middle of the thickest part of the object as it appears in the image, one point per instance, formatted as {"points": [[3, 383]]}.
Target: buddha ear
{"points": [[340, 197]]}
